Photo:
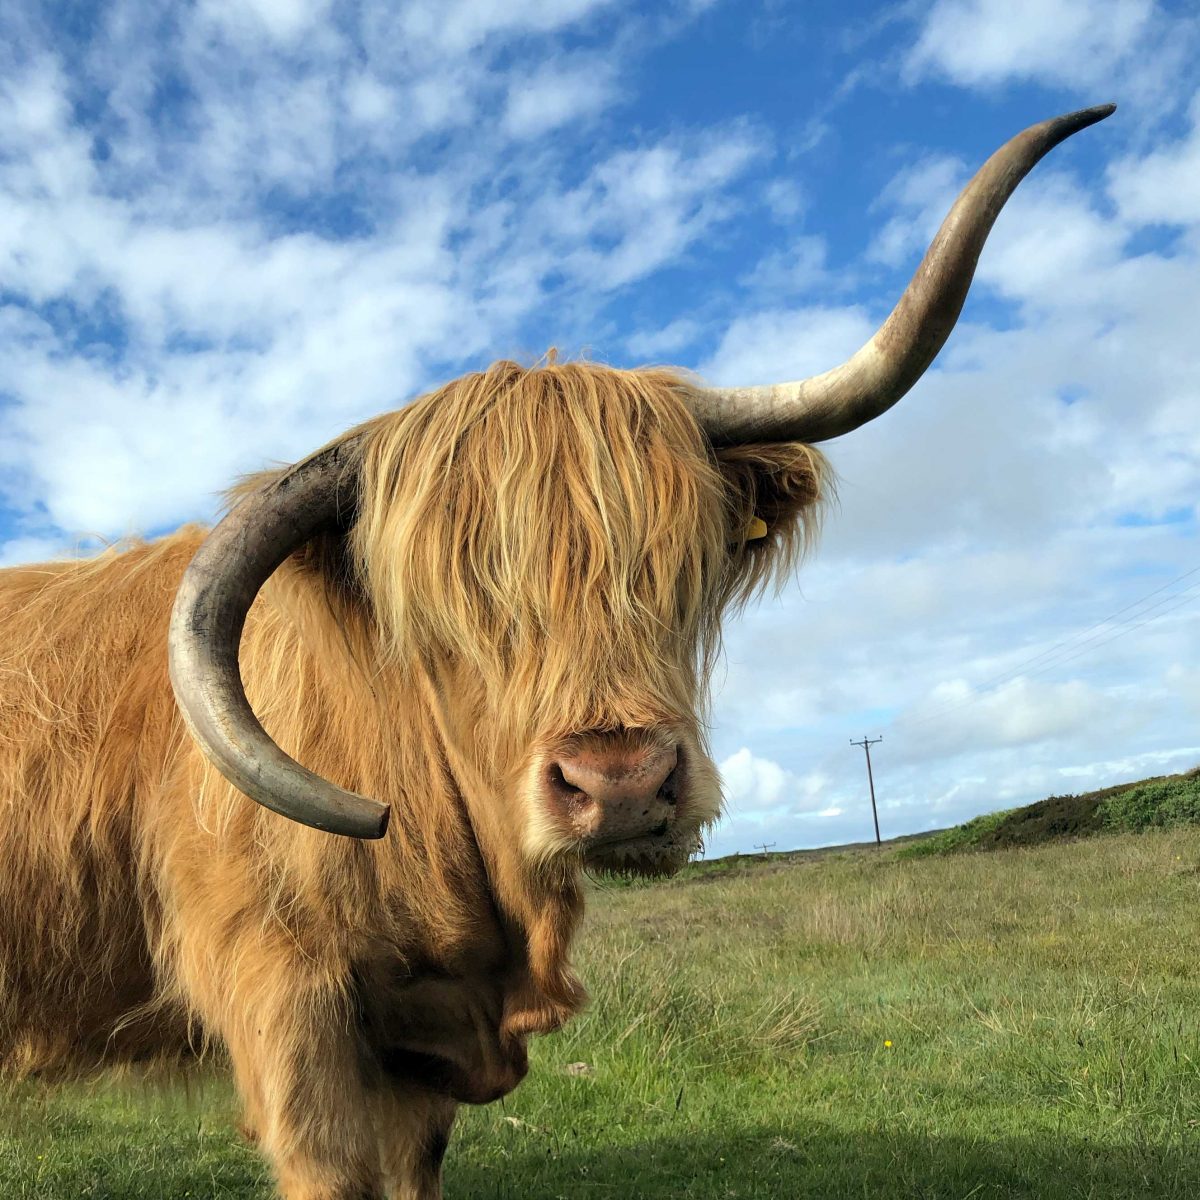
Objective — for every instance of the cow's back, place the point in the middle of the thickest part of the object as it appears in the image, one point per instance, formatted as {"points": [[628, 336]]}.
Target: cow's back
{"points": [[88, 739]]}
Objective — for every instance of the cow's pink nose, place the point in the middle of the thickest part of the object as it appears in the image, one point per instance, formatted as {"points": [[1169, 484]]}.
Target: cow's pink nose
{"points": [[612, 792]]}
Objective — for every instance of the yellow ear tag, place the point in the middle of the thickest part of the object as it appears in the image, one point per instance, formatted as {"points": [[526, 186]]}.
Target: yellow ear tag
{"points": [[756, 529]]}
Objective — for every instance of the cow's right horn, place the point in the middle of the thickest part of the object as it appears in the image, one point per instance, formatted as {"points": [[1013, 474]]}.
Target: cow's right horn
{"points": [[219, 586], [876, 376]]}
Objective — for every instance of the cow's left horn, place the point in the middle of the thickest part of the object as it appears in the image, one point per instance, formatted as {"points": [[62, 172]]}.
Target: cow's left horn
{"points": [[219, 586], [869, 383]]}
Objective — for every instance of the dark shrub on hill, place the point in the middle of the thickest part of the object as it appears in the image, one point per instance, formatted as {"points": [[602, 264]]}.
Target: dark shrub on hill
{"points": [[1048, 820]]}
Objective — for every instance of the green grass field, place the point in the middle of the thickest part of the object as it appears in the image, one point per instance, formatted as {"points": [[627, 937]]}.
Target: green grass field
{"points": [[1017, 1023]]}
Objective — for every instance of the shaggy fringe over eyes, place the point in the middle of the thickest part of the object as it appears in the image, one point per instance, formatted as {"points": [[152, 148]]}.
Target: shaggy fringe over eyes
{"points": [[565, 530]]}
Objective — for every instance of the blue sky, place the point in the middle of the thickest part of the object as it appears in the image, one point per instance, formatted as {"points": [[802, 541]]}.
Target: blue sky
{"points": [[229, 232]]}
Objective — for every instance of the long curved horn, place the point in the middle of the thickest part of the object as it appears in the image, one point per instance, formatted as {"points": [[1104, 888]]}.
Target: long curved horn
{"points": [[869, 383], [219, 586]]}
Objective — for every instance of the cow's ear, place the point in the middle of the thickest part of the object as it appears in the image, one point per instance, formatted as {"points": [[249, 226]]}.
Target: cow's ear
{"points": [[781, 485]]}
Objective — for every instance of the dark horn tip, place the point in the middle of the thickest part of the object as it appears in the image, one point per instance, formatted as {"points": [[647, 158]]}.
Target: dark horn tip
{"points": [[1087, 116], [367, 821], [1057, 129], [381, 825]]}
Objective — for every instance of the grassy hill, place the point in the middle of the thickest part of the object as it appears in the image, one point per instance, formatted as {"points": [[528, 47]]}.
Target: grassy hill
{"points": [[995, 1026], [1163, 802]]}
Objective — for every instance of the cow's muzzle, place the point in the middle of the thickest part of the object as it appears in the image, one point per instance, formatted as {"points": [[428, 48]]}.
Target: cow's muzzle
{"points": [[608, 791]]}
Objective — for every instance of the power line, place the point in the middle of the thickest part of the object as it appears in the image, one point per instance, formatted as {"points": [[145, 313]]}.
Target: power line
{"points": [[1123, 628], [1066, 642], [1181, 599], [1075, 646], [1063, 642]]}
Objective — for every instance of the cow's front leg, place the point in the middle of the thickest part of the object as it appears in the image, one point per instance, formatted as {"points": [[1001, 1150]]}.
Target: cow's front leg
{"points": [[297, 1061], [414, 1130]]}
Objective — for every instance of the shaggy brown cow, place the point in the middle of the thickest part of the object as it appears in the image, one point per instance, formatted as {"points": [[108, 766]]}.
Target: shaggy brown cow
{"points": [[493, 611]]}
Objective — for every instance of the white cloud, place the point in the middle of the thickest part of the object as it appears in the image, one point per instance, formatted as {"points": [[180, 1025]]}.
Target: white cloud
{"points": [[31, 550], [799, 266], [778, 344], [368, 101], [922, 193], [1053, 246], [785, 198], [647, 206], [755, 782], [988, 42], [1184, 679], [1056, 443], [759, 789], [457, 26], [1161, 186], [657, 344], [281, 20], [557, 94], [956, 718]]}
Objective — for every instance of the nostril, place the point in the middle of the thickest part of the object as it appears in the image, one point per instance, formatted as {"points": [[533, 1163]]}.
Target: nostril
{"points": [[561, 783], [668, 790]]}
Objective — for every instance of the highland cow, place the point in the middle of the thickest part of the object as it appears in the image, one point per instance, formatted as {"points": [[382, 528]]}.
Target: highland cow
{"points": [[488, 616]]}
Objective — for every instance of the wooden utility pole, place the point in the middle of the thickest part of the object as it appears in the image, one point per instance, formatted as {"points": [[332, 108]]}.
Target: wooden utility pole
{"points": [[866, 744]]}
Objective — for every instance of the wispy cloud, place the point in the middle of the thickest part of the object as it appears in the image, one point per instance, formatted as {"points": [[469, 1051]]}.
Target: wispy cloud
{"points": [[1161, 185], [658, 344], [557, 93], [1079, 42]]}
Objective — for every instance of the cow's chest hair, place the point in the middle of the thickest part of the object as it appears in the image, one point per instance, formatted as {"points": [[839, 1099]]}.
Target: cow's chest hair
{"points": [[442, 1033]]}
